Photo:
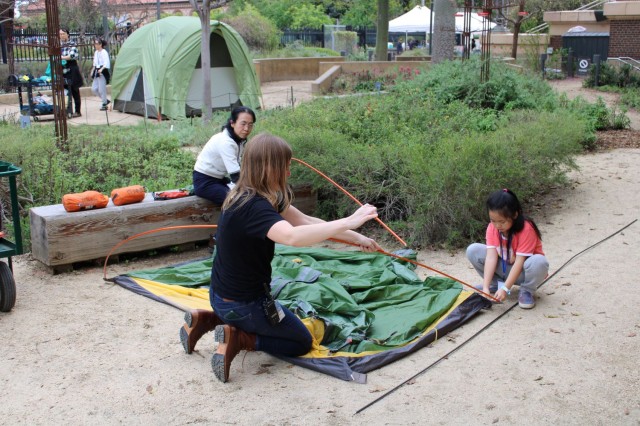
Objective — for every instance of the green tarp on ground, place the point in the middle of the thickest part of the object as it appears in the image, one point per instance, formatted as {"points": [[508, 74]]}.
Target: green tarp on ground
{"points": [[375, 302]]}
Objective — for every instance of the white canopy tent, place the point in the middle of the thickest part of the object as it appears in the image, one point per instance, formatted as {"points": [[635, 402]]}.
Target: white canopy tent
{"points": [[417, 21]]}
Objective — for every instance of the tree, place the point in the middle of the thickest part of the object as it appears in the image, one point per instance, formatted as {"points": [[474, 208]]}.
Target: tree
{"points": [[444, 30], [516, 20], [382, 33], [204, 12], [259, 32], [79, 14], [363, 13], [308, 16]]}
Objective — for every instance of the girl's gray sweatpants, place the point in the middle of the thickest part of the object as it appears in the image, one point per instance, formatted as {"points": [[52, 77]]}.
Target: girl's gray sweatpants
{"points": [[535, 269]]}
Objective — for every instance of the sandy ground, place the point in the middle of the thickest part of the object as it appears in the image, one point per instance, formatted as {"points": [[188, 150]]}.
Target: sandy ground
{"points": [[81, 351]]}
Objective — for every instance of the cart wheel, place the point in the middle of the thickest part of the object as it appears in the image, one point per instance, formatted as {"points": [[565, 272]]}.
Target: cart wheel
{"points": [[7, 288]]}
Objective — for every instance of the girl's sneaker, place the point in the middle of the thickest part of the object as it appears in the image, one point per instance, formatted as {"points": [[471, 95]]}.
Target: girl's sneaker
{"points": [[526, 299]]}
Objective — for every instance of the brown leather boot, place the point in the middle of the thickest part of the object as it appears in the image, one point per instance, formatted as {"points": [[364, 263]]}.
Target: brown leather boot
{"points": [[230, 342], [197, 324]]}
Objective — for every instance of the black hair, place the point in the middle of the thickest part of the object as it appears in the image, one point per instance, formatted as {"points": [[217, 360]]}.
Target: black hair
{"points": [[235, 113], [66, 31], [102, 42], [505, 202]]}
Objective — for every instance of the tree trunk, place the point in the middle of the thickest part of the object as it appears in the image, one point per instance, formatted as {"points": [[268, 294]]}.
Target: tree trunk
{"points": [[382, 32], [204, 11], [206, 68], [516, 33], [444, 30]]}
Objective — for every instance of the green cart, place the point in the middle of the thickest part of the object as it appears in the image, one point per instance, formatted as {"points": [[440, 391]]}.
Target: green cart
{"points": [[8, 248]]}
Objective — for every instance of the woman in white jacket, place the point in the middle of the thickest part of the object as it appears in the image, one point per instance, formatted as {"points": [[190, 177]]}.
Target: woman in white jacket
{"points": [[100, 72], [218, 165]]}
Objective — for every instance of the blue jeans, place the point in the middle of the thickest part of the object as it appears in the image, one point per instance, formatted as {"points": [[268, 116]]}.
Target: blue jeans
{"points": [[535, 268], [210, 188], [290, 337]]}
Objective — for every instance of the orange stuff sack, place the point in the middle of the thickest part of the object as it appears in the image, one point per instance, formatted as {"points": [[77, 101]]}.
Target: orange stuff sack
{"points": [[127, 195], [84, 201]]}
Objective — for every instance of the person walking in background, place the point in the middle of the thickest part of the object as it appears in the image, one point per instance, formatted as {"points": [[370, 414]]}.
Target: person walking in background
{"points": [[255, 216], [71, 70], [513, 251], [101, 72]]}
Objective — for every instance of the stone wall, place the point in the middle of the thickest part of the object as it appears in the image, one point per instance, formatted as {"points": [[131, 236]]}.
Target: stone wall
{"points": [[280, 69]]}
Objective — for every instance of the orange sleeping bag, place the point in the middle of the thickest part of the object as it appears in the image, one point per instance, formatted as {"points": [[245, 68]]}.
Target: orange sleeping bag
{"points": [[127, 195], [84, 201]]}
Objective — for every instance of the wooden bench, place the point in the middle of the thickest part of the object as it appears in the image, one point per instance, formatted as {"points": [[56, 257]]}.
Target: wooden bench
{"points": [[59, 239]]}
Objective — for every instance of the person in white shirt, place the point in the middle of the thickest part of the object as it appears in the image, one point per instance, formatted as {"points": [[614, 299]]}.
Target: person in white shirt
{"points": [[101, 72], [217, 167]]}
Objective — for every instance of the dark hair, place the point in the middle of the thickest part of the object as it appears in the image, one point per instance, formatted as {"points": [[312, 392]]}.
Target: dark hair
{"points": [[102, 42], [234, 116], [65, 30], [507, 204], [264, 170]]}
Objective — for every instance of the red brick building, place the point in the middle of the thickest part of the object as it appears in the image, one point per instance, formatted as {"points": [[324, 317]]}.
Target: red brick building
{"points": [[122, 11], [619, 18], [624, 32]]}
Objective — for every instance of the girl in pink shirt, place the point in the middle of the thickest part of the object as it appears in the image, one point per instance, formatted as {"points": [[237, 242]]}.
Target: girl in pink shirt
{"points": [[512, 253]]}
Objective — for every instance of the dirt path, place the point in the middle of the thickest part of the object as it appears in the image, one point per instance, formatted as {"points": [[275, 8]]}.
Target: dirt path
{"points": [[78, 350]]}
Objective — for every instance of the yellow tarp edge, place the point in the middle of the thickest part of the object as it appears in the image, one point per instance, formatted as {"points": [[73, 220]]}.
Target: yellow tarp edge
{"points": [[188, 298]]}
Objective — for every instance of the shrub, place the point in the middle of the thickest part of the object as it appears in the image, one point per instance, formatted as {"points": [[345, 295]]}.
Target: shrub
{"points": [[427, 160], [426, 164], [610, 75], [257, 31], [631, 98], [506, 89]]}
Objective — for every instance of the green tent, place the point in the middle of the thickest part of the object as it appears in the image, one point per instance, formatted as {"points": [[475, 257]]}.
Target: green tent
{"points": [[158, 70]]}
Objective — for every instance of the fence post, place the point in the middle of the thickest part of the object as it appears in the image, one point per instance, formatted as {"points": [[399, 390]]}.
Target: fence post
{"points": [[570, 63], [596, 62], [543, 60], [3, 41]]}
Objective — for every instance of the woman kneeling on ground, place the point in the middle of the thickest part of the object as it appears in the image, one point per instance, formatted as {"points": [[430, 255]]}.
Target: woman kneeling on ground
{"points": [[257, 214]]}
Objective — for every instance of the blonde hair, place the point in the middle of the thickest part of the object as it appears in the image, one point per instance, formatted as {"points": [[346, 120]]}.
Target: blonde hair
{"points": [[265, 164]]}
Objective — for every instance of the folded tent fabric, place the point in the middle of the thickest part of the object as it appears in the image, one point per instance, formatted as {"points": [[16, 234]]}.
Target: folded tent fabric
{"points": [[364, 310]]}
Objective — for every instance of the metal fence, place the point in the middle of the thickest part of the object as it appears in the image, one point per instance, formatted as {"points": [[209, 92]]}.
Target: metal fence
{"points": [[316, 36], [30, 45]]}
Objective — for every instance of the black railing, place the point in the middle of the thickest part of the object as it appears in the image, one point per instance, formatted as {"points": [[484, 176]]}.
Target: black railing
{"points": [[30, 44], [306, 36], [315, 36]]}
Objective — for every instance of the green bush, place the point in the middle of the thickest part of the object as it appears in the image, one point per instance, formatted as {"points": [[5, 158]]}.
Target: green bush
{"points": [[425, 158], [429, 165], [631, 98], [506, 89], [98, 159], [599, 117], [610, 75]]}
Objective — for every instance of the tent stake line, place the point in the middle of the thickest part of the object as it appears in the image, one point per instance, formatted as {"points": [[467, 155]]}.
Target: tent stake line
{"points": [[445, 356]]}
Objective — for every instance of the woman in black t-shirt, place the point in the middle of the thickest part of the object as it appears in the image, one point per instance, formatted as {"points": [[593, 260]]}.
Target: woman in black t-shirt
{"points": [[257, 214]]}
